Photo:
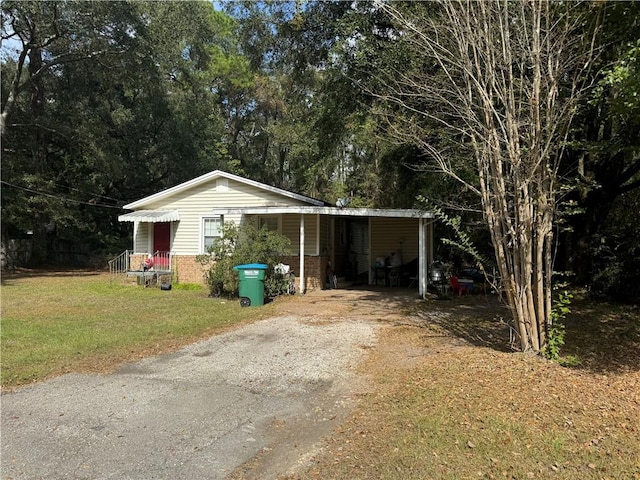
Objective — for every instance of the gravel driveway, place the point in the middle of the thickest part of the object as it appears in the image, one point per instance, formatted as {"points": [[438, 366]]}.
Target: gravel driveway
{"points": [[266, 393]]}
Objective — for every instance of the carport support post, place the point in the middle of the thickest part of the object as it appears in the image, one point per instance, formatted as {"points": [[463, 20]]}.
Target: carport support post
{"points": [[422, 258], [302, 280]]}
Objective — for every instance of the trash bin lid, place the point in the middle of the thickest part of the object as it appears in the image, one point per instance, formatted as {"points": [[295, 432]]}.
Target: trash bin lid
{"points": [[251, 266]]}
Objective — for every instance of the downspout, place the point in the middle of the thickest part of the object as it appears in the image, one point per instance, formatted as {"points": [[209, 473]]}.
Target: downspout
{"points": [[136, 226]]}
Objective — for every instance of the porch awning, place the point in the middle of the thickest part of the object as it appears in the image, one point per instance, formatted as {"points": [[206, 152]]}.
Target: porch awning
{"points": [[150, 216]]}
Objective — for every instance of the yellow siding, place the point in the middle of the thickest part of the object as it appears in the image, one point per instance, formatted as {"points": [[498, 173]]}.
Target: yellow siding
{"points": [[325, 236], [142, 237], [390, 235], [198, 202], [291, 229]]}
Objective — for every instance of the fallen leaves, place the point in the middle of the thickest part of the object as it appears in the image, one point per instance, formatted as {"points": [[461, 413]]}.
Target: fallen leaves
{"points": [[460, 410]]}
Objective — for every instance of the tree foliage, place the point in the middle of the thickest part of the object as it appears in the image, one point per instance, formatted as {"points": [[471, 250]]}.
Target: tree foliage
{"points": [[105, 102], [602, 162]]}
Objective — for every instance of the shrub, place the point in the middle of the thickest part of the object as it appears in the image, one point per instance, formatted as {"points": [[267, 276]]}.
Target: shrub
{"points": [[240, 245], [556, 331]]}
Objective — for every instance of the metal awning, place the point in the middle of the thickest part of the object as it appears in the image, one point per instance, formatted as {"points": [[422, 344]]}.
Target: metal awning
{"points": [[150, 216]]}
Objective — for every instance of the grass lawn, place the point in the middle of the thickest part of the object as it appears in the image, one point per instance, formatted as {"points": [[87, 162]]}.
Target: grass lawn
{"points": [[62, 322]]}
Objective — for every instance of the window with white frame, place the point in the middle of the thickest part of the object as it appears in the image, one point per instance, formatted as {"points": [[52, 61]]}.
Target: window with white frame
{"points": [[270, 222], [211, 231]]}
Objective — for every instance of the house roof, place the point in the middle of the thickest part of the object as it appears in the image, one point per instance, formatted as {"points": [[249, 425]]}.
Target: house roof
{"points": [[319, 210], [151, 216], [211, 176]]}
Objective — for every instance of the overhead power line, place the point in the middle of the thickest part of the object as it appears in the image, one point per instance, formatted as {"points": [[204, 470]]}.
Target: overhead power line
{"points": [[57, 197]]}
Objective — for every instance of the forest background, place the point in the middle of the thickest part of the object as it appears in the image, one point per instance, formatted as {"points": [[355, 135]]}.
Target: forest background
{"points": [[107, 102]]}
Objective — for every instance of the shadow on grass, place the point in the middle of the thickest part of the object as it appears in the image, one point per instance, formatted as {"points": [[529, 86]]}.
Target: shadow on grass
{"points": [[603, 337], [9, 276], [599, 338], [479, 320]]}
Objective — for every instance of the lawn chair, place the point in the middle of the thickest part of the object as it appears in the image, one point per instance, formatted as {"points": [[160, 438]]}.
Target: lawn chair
{"points": [[456, 286]]}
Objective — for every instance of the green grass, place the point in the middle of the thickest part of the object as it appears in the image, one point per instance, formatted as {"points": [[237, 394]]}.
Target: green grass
{"points": [[53, 324]]}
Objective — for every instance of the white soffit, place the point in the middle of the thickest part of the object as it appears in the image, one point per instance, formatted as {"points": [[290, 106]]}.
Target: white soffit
{"points": [[334, 211]]}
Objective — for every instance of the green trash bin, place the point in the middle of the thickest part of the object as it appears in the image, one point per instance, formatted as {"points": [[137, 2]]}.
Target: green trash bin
{"points": [[251, 283]]}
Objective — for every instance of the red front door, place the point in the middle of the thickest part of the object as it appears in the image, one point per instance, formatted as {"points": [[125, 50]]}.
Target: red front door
{"points": [[161, 237]]}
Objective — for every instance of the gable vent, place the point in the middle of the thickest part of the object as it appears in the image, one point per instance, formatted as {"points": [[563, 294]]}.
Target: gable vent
{"points": [[222, 185]]}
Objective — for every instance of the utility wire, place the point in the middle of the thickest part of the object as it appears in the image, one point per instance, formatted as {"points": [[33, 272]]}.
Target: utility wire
{"points": [[85, 192], [79, 202]]}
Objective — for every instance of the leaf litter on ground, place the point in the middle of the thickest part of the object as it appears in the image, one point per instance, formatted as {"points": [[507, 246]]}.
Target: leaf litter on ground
{"points": [[451, 399]]}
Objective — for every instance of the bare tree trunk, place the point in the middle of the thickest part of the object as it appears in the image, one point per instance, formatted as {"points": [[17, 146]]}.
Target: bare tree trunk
{"points": [[499, 64], [14, 90]]}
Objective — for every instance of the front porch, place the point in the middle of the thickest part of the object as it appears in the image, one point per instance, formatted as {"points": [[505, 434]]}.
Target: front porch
{"points": [[148, 269], [386, 247]]}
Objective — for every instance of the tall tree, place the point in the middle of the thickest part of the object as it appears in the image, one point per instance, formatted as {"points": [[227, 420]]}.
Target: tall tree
{"points": [[105, 102], [290, 130], [49, 38]]}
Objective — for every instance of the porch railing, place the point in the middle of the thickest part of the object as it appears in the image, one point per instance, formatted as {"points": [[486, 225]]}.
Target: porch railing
{"points": [[119, 265], [160, 261]]}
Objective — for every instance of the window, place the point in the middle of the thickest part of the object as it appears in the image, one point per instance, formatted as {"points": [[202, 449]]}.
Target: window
{"points": [[270, 223], [212, 231]]}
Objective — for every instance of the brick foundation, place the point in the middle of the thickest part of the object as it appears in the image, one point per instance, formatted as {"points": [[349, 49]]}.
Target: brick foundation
{"points": [[136, 260], [314, 268], [187, 270]]}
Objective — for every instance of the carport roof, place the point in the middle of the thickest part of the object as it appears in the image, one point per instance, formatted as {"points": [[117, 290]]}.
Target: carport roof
{"points": [[333, 211]]}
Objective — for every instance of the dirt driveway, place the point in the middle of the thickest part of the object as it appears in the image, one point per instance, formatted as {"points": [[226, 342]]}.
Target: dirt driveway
{"points": [[257, 400]]}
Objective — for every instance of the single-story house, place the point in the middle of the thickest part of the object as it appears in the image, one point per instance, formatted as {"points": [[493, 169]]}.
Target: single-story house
{"points": [[182, 221]]}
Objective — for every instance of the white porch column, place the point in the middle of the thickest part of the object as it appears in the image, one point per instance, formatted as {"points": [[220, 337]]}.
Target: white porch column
{"points": [[302, 279], [422, 258], [332, 241], [429, 227], [369, 269]]}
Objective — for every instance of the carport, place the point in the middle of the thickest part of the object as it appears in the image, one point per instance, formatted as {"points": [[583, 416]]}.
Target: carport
{"points": [[339, 235]]}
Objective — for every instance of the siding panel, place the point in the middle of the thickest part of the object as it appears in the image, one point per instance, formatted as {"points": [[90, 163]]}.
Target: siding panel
{"points": [[390, 235], [291, 229], [198, 202], [142, 237]]}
